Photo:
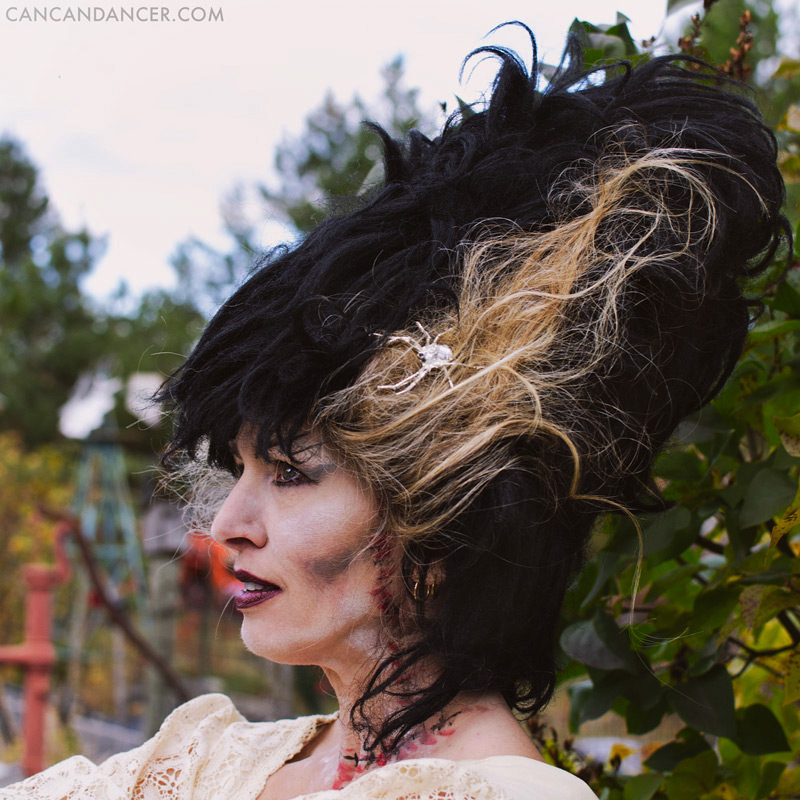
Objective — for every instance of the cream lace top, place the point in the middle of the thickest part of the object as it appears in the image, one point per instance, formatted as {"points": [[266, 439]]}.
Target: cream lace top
{"points": [[206, 750]]}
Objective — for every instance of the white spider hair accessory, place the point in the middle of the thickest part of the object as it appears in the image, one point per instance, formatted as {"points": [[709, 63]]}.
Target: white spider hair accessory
{"points": [[432, 355]]}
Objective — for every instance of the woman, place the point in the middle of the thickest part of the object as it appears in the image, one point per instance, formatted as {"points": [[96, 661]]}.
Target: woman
{"points": [[426, 405]]}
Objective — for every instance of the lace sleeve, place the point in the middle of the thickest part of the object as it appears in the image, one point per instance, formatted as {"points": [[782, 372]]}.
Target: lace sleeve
{"points": [[165, 766]]}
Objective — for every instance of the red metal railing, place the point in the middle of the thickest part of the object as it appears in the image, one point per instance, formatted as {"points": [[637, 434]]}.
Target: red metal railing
{"points": [[37, 654]]}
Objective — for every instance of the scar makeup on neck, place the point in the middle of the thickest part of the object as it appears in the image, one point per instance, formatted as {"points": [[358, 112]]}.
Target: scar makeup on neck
{"points": [[417, 743]]}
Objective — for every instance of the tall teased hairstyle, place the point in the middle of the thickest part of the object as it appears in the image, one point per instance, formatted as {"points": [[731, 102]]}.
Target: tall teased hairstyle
{"points": [[580, 251]]}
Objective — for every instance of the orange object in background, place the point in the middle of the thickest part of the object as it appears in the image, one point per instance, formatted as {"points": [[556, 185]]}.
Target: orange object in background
{"points": [[205, 557], [37, 654]]}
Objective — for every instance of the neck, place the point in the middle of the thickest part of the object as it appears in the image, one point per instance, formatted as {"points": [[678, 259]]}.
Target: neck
{"points": [[347, 746], [349, 751]]}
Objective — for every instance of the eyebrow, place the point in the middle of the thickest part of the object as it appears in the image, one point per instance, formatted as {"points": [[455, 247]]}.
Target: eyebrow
{"points": [[314, 473]]}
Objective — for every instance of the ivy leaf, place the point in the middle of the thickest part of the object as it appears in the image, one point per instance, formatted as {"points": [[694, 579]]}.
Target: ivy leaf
{"points": [[789, 430], [675, 577], [787, 299], [706, 703], [775, 388], [693, 777], [616, 640], [679, 465], [704, 659], [642, 787], [727, 629], [465, 108], [773, 601], [713, 606], [792, 679], [770, 776], [749, 601], [784, 525], [789, 783], [689, 743], [768, 494], [666, 530], [772, 330], [639, 721], [788, 67], [621, 32], [758, 732], [791, 120], [603, 42], [590, 701], [606, 564], [581, 642], [599, 643]]}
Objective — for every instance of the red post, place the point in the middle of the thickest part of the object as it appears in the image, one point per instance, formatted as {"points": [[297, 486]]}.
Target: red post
{"points": [[37, 654]]}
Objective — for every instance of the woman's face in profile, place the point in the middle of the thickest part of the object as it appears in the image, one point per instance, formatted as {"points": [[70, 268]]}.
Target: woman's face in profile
{"points": [[301, 532]]}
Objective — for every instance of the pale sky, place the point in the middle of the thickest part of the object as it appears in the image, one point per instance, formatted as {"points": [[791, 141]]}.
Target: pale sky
{"points": [[140, 128]]}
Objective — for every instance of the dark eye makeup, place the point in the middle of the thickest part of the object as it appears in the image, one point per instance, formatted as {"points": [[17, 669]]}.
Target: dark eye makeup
{"points": [[284, 471], [287, 474]]}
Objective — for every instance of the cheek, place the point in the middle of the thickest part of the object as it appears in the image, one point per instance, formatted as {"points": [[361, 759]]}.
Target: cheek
{"points": [[330, 567], [334, 543]]}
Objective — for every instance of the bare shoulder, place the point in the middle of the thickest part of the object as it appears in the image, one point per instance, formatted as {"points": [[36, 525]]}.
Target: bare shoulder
{"points": [[481, 728]]}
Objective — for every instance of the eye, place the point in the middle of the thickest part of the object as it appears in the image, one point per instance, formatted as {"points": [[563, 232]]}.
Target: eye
{"points": [[286, 474]]}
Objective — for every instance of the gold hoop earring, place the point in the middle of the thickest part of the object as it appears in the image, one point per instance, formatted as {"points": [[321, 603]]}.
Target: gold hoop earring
{"points": [[431, 590]]}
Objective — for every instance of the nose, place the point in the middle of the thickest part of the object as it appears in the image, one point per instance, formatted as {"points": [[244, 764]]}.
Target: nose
{"points": [[238, 524]]}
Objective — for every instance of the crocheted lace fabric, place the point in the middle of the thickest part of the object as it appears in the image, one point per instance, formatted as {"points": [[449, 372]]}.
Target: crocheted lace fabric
{"points": [[206, 750]]}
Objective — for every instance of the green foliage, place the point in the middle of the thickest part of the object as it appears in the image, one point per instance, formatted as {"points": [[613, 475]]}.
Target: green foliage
{"points": [[51, 333], [335, 158], [27, 480], [606, 43], [710, 633], [46, 335]]}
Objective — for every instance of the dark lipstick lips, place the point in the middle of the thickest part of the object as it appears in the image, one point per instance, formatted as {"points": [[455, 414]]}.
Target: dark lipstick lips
{"points": [[252, 597]]}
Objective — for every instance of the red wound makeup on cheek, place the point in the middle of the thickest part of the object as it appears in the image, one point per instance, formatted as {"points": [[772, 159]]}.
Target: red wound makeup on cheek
{"points": [[382, 551]]}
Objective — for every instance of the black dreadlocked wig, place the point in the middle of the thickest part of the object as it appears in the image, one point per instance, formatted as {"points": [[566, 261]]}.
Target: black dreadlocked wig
{"points": [[580, 251]]}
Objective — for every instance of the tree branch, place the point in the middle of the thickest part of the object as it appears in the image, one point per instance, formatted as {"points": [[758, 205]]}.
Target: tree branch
{"points": [[789, 626], [707, 544], [698, 578], [773, 651], [115, 612], [752, 661]]}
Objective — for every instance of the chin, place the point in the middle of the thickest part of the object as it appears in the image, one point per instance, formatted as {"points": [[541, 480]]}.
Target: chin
{"points": [[276, 649]]}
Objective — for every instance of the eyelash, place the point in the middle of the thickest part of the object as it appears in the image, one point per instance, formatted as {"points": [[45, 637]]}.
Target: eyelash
{"points": [[277, 465], [298, 480]]}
